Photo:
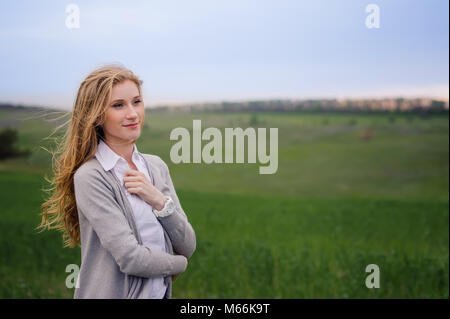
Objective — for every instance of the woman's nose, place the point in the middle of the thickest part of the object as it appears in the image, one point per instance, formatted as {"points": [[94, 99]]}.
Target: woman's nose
{"points": [[131, 112]]}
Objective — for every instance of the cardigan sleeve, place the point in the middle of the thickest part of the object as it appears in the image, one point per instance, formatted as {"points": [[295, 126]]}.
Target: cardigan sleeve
{"points": [[96, 202], [179, 229]]}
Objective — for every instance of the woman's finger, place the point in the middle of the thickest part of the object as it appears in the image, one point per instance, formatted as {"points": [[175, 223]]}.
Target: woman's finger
{"points": [[132, 178], [134, 190], [133, 173], [132, 184]]}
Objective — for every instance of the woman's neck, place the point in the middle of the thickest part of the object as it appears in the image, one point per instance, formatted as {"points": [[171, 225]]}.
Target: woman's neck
{"points": [[123, 150]]}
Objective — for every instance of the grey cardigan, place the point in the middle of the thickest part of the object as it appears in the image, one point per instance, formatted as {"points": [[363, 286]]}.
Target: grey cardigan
{"points": [[114, 263]]}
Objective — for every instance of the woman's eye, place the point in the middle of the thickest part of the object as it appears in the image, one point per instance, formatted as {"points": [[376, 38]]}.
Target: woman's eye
{"points": [[137, 101], [117, 105]]}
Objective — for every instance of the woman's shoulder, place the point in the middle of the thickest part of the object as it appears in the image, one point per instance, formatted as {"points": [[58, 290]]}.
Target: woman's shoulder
{"points": [[155, 160], [156, 163], [89, 169]]}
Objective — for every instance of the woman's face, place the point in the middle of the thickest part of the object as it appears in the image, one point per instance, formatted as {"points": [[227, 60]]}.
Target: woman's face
{"points": [[124, 114]]}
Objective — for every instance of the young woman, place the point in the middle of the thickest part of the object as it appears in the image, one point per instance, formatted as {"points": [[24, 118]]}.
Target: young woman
{"points": [[118, 203]]}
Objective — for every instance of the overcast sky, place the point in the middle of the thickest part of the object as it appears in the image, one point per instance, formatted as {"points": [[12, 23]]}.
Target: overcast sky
{"points": [[198, 51]]}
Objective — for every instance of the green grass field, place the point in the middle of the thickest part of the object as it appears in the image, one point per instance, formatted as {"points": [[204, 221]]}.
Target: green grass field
{"points": [[336, 204]]}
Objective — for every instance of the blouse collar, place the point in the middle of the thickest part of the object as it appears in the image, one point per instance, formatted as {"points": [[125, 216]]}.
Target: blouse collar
{"points": [[108, 158]]}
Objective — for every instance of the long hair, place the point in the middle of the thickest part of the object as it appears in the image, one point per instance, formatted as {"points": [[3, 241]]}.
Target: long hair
{"points": [[78, 145]]}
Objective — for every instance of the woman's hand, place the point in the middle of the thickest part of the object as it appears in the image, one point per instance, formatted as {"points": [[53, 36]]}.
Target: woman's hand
{"points": [[174, 277], [137, 183]]}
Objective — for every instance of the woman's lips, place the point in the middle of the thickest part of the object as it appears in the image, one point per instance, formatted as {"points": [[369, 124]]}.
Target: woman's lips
{"points": [[135, 125]]}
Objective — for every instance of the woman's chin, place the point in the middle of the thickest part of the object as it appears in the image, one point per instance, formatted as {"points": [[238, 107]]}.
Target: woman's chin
{"points": [[134, 138]]}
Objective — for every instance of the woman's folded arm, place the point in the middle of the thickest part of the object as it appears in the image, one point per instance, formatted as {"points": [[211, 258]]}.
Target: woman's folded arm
{"points": [[179, 229], [95, 200]]}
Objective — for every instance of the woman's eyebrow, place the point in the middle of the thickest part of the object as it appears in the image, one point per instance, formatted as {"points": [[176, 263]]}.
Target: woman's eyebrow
{"points": [[120, 100]]}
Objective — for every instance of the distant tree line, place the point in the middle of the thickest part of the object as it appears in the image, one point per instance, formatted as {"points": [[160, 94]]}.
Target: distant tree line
{"points": [[8, 148], [400, 105], [9, 106]]}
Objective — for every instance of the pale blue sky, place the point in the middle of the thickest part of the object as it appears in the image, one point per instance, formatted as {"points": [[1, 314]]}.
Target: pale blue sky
{"points": [[196, 51]]}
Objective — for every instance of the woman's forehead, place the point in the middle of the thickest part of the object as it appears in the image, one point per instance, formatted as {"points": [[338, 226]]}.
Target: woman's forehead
{"points": [[125, 90]]}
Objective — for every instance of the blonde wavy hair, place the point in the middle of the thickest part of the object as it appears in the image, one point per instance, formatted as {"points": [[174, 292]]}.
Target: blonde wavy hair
{"points": [[78, 145]]}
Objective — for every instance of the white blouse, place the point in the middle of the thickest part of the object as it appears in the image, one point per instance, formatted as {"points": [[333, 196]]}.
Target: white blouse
{"points": [[150, 229]]}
